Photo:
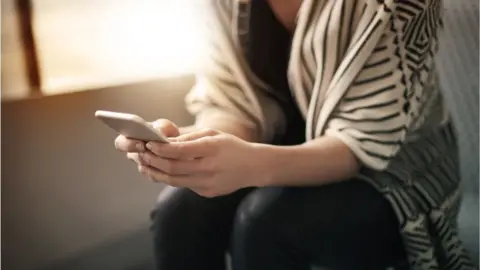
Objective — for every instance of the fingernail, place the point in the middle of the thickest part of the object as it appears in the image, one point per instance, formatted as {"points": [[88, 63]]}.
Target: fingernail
{"points": [[140, 147], [149, 146]]}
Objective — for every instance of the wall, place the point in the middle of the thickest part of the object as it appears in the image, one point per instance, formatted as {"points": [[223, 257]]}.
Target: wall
{"points": [[459, 69], [13, 74], [66, 191]]}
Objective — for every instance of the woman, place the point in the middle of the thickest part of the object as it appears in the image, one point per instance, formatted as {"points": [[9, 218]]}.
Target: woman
{"points": [[320, 139]]}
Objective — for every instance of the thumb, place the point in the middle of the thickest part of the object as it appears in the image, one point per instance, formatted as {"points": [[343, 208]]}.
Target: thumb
{"points": [[167, 127]]}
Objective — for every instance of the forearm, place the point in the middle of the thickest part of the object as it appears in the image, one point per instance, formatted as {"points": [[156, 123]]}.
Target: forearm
{"points": [[231, 127], [321, 161]]}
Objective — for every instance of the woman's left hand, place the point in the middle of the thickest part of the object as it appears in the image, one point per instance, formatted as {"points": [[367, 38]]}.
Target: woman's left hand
{"points": [[209, 162]]}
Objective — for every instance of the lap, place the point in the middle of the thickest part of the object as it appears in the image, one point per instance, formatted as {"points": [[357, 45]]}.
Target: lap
{"points": [[345, 203], [181, 205], [338, 205], [327, 219], [349, 217]]}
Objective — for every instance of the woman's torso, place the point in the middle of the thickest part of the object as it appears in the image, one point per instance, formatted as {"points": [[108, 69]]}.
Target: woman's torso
{"points": [[423, 176], [268, 55]]}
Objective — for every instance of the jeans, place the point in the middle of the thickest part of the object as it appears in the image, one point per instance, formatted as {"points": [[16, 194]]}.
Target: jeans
{"points": [[347, 225]]}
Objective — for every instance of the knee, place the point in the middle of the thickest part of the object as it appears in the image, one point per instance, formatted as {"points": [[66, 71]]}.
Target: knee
{"points": [[170, 211], [257, 216]]}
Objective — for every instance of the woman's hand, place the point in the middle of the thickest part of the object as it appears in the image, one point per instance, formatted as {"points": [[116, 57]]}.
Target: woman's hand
{"points": [[208, 162], [132, 147]]}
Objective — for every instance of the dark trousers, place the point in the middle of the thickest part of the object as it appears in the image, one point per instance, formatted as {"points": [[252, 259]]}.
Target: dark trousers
{"points": [[347, 225]]}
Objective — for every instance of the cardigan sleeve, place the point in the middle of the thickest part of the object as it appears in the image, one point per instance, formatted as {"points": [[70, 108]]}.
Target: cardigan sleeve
{"points": [[225, 87], [389, 96]]}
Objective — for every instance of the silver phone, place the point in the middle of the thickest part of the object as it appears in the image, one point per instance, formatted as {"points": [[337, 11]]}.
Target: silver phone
{"points": [[131, 126]]}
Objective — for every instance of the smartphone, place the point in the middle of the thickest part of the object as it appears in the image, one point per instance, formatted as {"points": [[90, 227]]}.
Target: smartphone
{"points": [[131, 126]]}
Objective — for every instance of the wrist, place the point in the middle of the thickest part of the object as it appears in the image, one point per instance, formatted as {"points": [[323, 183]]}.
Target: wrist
{"points": [[273, 164]]}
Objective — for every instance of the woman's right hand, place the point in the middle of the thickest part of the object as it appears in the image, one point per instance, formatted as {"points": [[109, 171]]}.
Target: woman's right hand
{"points": [[132, 147]]}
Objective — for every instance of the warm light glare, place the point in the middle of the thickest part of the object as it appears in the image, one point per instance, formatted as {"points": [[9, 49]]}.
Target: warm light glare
{"points": [[90, 43]]}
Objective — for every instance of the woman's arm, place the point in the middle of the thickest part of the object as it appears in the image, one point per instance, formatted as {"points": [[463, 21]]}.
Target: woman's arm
{"points": [[320, 161], [224, 125], [226, 96], [213, 163]]}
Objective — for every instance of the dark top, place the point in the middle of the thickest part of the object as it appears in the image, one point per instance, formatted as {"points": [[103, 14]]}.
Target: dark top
{"points": [[268, 56]]}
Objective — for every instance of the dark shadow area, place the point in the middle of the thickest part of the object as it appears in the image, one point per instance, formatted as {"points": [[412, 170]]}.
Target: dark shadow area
{"points": [[133, 251]]}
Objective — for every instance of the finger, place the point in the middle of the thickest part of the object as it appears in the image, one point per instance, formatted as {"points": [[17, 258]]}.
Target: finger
{"points": [[135, 158], [177, 166], [197, 134], [199, 148], [176, 181], [129, 145], [167, 127], [142, 171]]}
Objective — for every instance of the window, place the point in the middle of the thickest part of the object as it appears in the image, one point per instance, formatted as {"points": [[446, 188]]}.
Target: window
{"points": [[86, 44]]}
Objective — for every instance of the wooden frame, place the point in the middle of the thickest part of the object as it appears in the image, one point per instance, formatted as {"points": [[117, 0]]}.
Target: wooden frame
{"points": [[25, 17]]}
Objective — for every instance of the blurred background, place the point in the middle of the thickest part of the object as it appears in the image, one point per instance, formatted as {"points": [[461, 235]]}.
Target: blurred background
{"points": [[74, 45], [69, 200]]}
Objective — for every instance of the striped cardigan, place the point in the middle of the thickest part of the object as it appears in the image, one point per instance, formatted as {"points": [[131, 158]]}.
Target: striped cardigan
{"points": [[362, 71]]}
